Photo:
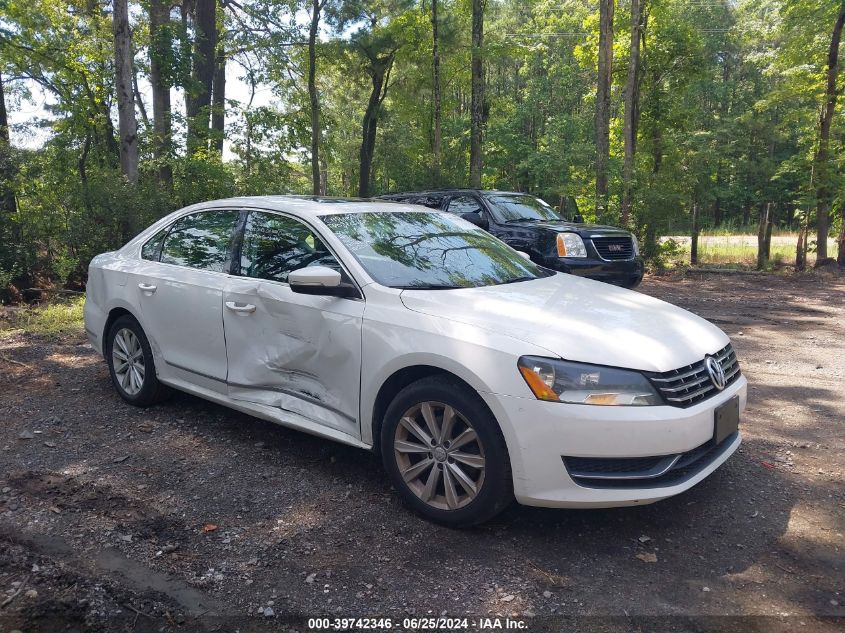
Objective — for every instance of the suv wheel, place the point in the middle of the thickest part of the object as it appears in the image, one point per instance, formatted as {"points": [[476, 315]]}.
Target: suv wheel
{"points": [[445, 453]]}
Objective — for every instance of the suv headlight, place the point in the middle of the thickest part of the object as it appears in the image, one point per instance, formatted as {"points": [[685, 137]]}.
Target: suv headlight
{"points": [[636, 245], [570, 245], [579, 383]]}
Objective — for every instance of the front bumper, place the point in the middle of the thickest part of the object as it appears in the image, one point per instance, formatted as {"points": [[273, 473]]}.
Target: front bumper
{"points": [[539, 434], [626, 273]]}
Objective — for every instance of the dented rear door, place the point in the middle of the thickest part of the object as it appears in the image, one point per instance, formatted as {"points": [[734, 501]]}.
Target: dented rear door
{"points": [[300, 354]]}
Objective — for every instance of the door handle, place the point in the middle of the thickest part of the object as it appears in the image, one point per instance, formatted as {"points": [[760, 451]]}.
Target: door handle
{"points": [[147, 288], [244, 308]]}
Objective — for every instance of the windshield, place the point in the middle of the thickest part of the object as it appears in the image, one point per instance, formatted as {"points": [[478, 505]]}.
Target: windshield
{"points": [[426, 250], [518, 206]]}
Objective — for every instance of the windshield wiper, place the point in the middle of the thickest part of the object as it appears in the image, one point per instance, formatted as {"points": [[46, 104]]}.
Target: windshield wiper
{"points": [[524, 220], [518, 279], [427, 287]]}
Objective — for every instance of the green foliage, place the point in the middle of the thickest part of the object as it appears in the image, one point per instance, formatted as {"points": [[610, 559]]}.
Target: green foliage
{"points": [[730, 94]]}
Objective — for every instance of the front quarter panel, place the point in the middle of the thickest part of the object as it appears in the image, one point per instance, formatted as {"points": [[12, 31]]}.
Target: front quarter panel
{"points": [[395, 338]]}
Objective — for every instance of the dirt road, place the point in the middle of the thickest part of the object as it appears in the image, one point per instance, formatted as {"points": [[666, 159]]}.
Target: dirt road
{"points": [[113, 518]]}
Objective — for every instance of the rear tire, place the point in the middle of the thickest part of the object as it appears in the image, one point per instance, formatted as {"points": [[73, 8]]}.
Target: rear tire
{"points": [[445, 454], [131, 363]]}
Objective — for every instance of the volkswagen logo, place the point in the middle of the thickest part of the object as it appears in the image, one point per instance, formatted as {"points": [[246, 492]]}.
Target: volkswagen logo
{"points": [[717, 374]]}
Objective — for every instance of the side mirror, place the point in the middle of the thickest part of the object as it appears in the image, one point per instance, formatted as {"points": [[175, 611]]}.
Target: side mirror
{"points": [[578, 218], [524, 255], [477, 219], [320, 280]]}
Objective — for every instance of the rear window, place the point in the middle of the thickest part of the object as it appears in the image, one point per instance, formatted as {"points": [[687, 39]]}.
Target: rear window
{"points": [[152, 249]]}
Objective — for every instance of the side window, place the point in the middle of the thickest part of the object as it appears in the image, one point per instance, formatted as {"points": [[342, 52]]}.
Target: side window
{"points": [[152, 249], [432, 202], [201, 240], [464, 204], [274, 245]]}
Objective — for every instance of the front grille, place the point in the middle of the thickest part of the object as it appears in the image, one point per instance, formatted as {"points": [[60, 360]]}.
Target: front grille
{"points": [[614, 248], [686, 386], [645, 472]]}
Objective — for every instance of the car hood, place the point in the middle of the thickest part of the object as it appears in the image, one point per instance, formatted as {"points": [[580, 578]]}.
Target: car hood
{"points": [[580, 320], [567, 227]]}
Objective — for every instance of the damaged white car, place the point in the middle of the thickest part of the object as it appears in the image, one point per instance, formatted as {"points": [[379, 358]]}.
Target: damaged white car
{"points": [[477, 375]]}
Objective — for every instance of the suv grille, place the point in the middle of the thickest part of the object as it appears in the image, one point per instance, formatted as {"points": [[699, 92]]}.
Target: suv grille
{"points": [[614, 248], [689, 385]]}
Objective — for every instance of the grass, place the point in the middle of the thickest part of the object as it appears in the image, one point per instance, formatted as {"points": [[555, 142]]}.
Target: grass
{"points": [[740, 251], [50, 320]]}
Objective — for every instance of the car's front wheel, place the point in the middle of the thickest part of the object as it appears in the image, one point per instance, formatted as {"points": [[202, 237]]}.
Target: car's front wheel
{"points": [[131, 363], [445, 453]]}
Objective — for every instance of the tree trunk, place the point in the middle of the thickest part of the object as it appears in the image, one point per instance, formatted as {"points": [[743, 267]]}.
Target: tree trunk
{"points": [[477, 105], [314, 98], [606, 8], [127, 126], [693, 248], [218, 101], [435, 71], [380, 73], [8, 203], [824, 190], [324, 174], [632, 108], [763, 229], [160, 56], [198, 93], [800, 252], [768, 240]]}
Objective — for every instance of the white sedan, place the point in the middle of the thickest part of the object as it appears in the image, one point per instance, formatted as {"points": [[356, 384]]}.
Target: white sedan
{"points": [[477, 375]]}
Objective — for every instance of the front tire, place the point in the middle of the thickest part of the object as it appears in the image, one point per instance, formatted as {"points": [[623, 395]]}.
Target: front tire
{"points": [[131, 363], [445, 453]]}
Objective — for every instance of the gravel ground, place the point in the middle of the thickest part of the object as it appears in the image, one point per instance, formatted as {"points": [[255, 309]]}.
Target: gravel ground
{"points": [[191, 516]]}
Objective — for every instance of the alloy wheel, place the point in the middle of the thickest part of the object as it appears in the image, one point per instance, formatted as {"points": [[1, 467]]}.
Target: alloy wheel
{"points": [[439, 455], [128, 361]]}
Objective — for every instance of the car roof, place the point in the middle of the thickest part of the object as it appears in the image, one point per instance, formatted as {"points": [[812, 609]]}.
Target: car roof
{"points": [[308, 206], [443, 192]]}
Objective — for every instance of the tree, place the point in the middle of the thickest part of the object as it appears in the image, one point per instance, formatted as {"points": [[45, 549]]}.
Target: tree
{"points": [[198, 93], [218, 98], [8, 204], [313, 97], [824, 193], [477, 101], [632, 107], [124, 88], [605, 77], [436, 144], [161, 70], [379, 65]]}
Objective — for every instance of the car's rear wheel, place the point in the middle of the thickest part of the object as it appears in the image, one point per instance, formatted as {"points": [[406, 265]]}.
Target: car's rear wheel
{"points": [[131, 363], [445, 453]]}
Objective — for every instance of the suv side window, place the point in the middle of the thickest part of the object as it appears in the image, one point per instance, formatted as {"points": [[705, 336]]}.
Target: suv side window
{"points": [[432, 202], [464, 204], [200, 240], [152, 248], [274, 245]]}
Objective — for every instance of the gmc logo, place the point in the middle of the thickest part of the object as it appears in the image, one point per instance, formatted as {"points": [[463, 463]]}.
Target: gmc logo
{"points": [[616, 248]]}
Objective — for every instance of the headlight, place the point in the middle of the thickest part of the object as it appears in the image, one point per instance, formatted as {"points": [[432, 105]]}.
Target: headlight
{"points": [[636, 244], [570, 245], [579, 383]]}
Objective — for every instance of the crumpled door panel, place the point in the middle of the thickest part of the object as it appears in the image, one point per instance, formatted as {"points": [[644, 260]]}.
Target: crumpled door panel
{"points": [[298, 353]]}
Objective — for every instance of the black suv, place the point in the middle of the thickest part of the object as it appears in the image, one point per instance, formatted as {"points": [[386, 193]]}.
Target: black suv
{"points": [[529, 224]]}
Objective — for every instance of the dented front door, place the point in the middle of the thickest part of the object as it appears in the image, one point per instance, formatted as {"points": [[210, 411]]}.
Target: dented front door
{"points": [[300, 354]]}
